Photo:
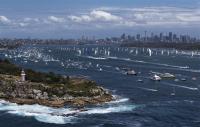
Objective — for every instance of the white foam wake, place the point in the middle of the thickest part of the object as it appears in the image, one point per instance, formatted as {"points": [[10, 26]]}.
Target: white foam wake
{"points": [[95, 58], [113, 109], [145, 62], [63, 115], [181, 86], [148, 89]]}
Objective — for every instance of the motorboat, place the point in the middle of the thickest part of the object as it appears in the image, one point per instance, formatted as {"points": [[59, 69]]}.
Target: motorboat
{"points": [[131, 72], [140, 80], [156, 78], [183, 79], [194, 78]]}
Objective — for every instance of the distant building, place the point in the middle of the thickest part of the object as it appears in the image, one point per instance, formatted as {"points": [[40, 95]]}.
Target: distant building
{"points": [[161, 36], [138, 37], [170, 36], [174, 38], [23, 76]]}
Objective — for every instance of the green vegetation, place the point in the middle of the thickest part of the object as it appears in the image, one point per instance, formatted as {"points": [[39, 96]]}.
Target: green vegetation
{"points": [[50, 78], [81, 88], [55, 84]]}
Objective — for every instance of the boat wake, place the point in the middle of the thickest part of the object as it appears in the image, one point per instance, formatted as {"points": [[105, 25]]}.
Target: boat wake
{"points": [[180, 86], [95, 58], [148, 89], [139, 61], [64, 115]]}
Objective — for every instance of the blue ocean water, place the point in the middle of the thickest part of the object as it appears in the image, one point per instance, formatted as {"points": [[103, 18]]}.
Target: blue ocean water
{"points": [[167, 103]]}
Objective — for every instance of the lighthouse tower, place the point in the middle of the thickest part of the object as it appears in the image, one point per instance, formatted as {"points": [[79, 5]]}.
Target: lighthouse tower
{"points": [[23, 76]]}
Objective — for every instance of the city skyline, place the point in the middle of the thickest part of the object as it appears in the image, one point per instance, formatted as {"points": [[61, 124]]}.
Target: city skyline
{"points": [[105, 18]]}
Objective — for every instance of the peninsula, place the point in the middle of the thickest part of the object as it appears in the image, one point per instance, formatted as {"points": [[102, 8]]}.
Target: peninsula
{"points": [[49, 89]]}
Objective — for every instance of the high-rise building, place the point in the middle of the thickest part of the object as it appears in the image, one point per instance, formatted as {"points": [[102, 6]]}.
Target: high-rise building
{"points": [[145, 35], [161, 36], [138, 37], [174, 38], [170, 36]]}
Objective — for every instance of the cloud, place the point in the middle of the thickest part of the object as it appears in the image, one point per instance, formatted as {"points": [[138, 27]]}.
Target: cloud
{"points": [[55, 19], [83, 18], [96, 16], [4, 20], [27, 19], [105, 16], [157, 15], [110, 18]]}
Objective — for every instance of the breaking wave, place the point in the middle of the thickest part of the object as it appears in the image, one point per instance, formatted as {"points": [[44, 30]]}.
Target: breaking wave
{"points": [[63, 115]]}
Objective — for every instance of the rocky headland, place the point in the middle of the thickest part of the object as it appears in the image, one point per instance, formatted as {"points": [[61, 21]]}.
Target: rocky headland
{"points": [[49, 89]]}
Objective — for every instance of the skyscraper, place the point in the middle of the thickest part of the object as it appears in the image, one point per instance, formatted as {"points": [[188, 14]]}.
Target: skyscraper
{"points": [[170, 36], [161, 36]]}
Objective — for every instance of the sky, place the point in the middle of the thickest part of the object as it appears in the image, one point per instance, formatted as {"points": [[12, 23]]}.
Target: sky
{"points": [[99, 18]]}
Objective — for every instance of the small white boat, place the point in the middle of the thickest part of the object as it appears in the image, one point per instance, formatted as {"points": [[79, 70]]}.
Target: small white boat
{"points": [[140, 80], [156, 78], [100, 69], [194, 78], [117, 68], [167, 75], [183, 79], [131, 72]]}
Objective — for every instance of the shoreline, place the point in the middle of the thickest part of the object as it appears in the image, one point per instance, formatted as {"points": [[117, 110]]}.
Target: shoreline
{"points": [[79, 102]]}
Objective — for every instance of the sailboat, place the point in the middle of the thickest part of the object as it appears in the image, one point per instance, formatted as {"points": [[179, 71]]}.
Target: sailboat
{"points": [[162, 52], [96, 51], [131, 51], [150, 52], [108, 53], [176, 52], [79, 52], [136, 52]]}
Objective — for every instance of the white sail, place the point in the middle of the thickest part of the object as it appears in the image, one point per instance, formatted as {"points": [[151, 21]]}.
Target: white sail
{"points": [[150, 52], [136, 52]]}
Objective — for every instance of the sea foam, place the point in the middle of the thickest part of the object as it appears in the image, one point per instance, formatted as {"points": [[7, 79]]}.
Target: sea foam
{"points": [[63, 115]]}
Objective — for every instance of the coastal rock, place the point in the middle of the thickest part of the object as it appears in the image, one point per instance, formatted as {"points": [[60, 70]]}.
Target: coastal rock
{"points": [[78, 92]]}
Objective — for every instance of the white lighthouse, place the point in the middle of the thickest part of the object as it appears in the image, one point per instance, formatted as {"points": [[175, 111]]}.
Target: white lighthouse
{"points": [[23, 76]]}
